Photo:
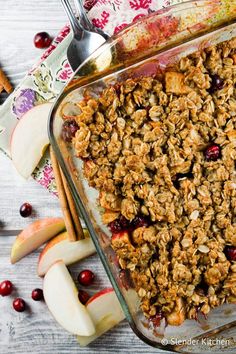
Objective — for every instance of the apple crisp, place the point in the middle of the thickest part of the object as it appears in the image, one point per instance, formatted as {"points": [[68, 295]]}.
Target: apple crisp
{"points": [[161, 151]]}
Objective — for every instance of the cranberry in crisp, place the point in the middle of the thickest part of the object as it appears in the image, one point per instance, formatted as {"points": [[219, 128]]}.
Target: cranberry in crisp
{"points": [[156, 320], [120, 224], [230, 253], [6, 288], [212, 153], [25, 210], [69, 129], [139, 221], [19, 305], [86, 277], [216, 82], [83, 296], [42, 40], [37, 294]]}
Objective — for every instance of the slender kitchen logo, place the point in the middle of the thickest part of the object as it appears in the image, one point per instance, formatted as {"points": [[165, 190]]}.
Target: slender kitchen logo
{"points": [[221, 342]]}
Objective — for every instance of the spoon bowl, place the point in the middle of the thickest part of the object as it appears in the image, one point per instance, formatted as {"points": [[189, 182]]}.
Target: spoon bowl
{"points": [[85, 41]]}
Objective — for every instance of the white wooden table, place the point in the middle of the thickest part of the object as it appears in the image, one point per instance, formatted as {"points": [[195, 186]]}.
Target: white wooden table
{"points": [[35, 331]]}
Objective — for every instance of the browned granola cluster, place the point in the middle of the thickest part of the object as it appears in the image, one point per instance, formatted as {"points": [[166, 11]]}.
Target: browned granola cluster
{"points": [[166, 149]]}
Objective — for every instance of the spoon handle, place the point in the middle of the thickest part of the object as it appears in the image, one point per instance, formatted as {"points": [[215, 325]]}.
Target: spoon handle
{"points": [[75, 25], [85, 21], [83, 18]]}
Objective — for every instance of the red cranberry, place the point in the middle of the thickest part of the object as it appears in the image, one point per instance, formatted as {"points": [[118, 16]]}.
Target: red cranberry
{"points": [[156, 320], [37, 295], [83, 296], [19, 305], [86, 277], [212, 153], [42, 40], [6, 288], [230, 253], [120, 224], [216, 83], [25, 210], [69, 129], [139, 221]]}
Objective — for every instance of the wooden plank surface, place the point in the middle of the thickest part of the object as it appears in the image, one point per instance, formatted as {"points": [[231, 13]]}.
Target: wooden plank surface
{"points": [[35, 331]]}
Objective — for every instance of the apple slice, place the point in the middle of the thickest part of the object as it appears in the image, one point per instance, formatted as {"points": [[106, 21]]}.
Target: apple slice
{"points": [[61, 248], [105, 311], [30, 138], [102, 327], [61, 297], [34, 235]]}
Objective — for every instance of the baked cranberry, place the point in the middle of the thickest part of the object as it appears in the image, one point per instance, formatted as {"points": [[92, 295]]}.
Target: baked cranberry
{"points": [[86, 277], [6, 288], [69, 129], [212, 153], [19, 305], [156, 320], [120, 224], [42, 40], [83, 296], [216, 83], [37, 294], [25, 210], [139, 221], [230, 253]]}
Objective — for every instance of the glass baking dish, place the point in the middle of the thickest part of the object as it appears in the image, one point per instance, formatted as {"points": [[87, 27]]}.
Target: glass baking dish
{"points": [[143, 48]]}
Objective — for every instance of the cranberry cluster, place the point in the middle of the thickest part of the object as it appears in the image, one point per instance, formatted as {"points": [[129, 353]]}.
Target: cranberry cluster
{"points": [[122, 224], [19, 305]]}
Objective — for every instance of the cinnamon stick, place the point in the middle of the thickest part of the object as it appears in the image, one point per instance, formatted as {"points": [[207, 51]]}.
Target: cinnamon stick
{"points": [[74, 214], [62, 197], [5, 83]]}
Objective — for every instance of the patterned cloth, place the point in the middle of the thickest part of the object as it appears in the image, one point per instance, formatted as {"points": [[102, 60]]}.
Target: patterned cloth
{"points": [[112, 16]]}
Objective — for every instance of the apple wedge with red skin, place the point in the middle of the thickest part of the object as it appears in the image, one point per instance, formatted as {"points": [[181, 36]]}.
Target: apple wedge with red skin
{"points": [[61, 248], [35, 235], [30, 139], [124, 236], [119, 235], [61, 297], [106, 312]]}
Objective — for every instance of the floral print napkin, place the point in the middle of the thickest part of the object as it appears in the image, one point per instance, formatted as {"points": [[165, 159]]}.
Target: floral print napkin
{"points": [[50, 74]]}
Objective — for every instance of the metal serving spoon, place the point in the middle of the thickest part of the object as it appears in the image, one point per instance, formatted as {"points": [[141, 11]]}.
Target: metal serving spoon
{"points": [[85, 40], [85, 22]]}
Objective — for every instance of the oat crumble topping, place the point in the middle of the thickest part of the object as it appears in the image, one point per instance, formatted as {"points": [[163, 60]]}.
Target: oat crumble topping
{"points": [[164, 149]]}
